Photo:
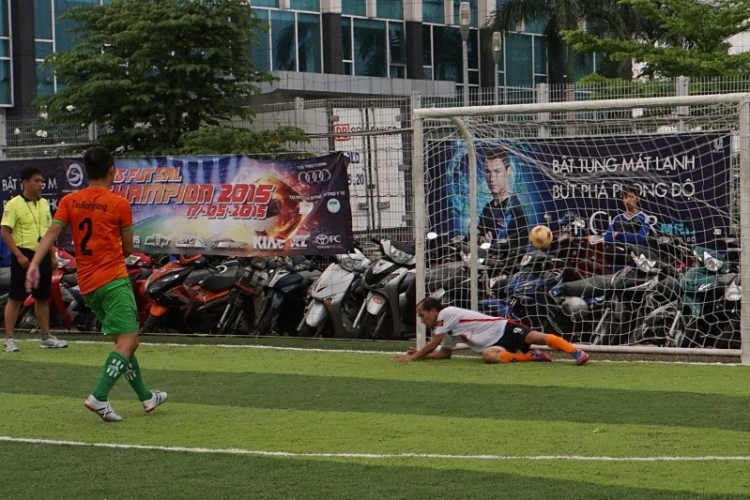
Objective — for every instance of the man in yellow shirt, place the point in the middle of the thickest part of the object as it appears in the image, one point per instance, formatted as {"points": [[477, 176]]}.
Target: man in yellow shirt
{"points": [[26, 218]]}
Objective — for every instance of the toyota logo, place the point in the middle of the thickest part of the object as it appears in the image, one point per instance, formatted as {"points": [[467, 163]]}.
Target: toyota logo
{"points": [[321, 239], [314, 176]]}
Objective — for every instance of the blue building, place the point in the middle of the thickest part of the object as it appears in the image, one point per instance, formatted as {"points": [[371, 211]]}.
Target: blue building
{"points": [[314, 46]]}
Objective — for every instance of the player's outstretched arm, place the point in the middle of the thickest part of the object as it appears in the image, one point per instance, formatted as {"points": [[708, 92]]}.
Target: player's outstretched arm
{"points": [[427, 352]]}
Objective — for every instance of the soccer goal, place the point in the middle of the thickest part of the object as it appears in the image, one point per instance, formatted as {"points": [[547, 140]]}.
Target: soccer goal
{"points": [[622, 224]]}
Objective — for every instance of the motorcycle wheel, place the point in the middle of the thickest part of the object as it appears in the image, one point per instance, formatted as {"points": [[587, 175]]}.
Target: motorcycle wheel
{"points": [[150, 325], [267, 322], [371, 326], [308, 331], [26, 319], [227, 326]]}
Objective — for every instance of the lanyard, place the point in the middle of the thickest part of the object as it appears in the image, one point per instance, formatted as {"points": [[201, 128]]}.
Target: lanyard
{"points": [[36, 219]]}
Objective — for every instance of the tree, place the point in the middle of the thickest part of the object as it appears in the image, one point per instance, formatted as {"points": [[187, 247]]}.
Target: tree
{"points": [[687, 38], [558, 15], [148, 71], [268, 144]]}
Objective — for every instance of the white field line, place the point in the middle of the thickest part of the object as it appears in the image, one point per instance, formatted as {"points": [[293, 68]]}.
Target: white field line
{"points": [[390, 353], [376, 456]]}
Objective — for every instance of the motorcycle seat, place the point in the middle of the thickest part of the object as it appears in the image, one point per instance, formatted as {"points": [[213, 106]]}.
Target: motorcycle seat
{"points": [[196, 276], [726, 279], [218, 282], [70, 279], [589, 287]]}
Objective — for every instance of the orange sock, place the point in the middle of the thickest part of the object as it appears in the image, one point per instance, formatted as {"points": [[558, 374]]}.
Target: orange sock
{"points": [[514, 357], [559, 344]]}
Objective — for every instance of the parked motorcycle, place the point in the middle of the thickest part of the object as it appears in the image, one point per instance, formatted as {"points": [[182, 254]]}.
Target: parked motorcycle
{"points": [[189, 295], [140, 266], [67, 308], [284, 301], [711, 300], [336, 298], [245, 299], [388, 310]]}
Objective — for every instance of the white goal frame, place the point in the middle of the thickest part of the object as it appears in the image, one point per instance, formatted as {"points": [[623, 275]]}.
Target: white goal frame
{"points": [[456, 116]]}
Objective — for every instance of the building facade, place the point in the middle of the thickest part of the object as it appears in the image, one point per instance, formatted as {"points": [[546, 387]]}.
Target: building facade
{"points": [[329, 47]]}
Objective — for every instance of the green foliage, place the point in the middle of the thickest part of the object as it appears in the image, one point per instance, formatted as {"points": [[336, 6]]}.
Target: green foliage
{"points": [[272, 144], [677, 38], [148, 71]]}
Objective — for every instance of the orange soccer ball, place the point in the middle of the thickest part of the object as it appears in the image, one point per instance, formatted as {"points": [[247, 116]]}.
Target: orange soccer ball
{"points": [[540, 237]]}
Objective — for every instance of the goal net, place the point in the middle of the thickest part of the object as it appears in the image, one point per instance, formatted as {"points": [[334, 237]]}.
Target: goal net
{"points": [[612, 223]]}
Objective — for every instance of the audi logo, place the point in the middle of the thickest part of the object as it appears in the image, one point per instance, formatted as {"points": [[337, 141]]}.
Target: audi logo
{"points": [[314, 176]]}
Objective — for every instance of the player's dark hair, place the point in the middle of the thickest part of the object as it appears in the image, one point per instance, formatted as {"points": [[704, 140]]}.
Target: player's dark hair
{"points": [[498, 154], [28, 172], [431, 304], [629, 191], [97, 161]]}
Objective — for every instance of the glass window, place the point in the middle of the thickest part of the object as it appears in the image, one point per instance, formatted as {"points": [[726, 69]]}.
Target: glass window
{"points": [[354, 7], [259, 48], [427, 46], [45, 81], [5, 97], [472, 9], [396, 43], [4, 25], [518, 64], [540, 55], [432, 11], [283, 41], [43, 19], [305, 5], [308, 30], [536, 26], [5, 48], [369, 48], [265, 3], [449, 64], [346, 38], [472, 47], [42, 50], [391, 9]]}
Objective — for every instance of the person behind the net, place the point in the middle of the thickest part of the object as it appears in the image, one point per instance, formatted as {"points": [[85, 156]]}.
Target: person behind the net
{"points": [[502, 217], [498, 340], [101, 223], [631, 226], [25, 219]]}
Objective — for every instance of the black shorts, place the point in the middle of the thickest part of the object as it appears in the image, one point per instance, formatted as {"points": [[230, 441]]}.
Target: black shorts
{"points": [[514, 338], [18, 278]]}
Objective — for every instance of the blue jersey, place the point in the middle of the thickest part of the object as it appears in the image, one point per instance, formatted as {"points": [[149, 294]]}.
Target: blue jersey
{"points": [[631, 229]]}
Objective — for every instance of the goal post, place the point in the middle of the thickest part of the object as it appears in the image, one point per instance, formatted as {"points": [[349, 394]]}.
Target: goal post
{"points": [[687, 160]]}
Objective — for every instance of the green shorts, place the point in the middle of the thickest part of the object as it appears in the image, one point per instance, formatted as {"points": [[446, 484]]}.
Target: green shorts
{"points": [[114, 305]]}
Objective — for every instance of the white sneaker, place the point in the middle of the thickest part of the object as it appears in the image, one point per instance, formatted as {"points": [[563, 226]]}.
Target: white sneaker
{"points": [[53, 342], [102, 408], [157, 398], [10, 345]]}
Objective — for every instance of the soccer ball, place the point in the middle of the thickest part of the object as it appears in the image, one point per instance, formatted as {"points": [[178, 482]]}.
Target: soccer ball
{"points": [[540, 237]]}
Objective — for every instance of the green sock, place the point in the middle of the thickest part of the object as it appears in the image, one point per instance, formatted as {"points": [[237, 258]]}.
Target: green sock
{"points": [[133, 376], [113, 368]]}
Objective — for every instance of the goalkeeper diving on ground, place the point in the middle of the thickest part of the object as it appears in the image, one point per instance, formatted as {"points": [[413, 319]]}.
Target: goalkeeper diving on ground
{"points": [[498, 340]]}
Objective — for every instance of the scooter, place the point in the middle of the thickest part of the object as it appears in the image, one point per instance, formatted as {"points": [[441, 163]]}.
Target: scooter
{"points": [[388, 310], [284, 301], [140, 266], [245, 299], [335, 298], [189, 295], [67, 308]]}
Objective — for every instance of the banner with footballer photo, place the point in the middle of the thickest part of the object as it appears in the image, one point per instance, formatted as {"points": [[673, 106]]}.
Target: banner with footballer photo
{"points": [[235, 205], [683, 179]]}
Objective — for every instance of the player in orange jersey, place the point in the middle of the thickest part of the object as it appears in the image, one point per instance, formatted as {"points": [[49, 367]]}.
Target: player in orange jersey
{"points": [[101, 223]]}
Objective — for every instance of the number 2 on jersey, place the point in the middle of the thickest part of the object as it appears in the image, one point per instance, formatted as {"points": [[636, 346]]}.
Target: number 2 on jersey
{"points": [[86, 225]]}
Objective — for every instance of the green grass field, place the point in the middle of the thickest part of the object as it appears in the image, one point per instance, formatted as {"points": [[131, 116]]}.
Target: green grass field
{"points": [[246, 422]]}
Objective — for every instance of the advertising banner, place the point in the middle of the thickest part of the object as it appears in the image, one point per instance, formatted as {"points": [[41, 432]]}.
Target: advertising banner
{"points": [[224, 205], [683, 181]]}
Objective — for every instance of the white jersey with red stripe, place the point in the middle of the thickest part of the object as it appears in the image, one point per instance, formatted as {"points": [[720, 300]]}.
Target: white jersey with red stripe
{"points": [[477, 330]]}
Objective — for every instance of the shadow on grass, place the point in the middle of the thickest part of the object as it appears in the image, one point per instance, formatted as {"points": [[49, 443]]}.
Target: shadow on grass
{"points": [[316, 393], [77, 472]]}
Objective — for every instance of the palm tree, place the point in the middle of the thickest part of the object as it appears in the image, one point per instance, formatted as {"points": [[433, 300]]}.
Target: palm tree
{"points": [[601, 16]]}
